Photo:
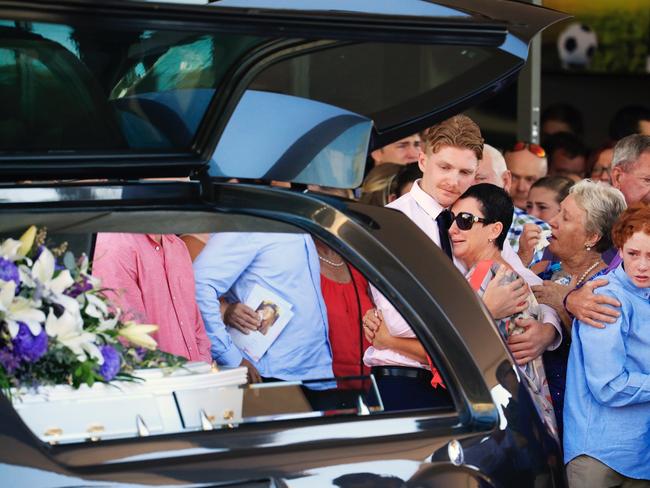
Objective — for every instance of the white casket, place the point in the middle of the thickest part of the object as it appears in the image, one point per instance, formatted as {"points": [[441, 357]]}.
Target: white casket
{"points": [[193, 397]]}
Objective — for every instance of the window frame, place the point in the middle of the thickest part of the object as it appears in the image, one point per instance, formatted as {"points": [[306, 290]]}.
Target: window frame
{"points": [[348, 228]]}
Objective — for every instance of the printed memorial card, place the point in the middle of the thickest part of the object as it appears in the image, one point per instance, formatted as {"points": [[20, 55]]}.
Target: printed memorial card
{"points": [[274, 313]]}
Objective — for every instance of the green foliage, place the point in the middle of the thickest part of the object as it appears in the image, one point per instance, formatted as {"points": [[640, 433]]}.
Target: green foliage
{"points": [[623, 41]]}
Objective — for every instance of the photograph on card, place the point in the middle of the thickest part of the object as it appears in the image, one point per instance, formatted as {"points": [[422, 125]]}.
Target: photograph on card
{"points": [[274, 314]]}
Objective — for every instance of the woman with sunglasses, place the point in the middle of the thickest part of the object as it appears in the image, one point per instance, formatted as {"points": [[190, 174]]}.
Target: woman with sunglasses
{"points": [[481, 219]]}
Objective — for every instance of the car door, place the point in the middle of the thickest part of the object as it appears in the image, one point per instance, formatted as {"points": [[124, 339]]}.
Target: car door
{"points": [[172, 106]]}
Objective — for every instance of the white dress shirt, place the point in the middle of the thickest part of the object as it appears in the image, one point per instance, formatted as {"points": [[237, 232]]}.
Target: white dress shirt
{"points": [[423, 209]]}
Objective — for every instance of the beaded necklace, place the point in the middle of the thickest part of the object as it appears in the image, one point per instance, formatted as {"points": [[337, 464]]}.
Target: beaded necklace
{"points": [[331, 263]]}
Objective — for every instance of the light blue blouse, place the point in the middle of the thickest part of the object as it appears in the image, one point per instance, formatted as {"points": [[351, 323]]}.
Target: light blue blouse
{"points": [[607, 403]]}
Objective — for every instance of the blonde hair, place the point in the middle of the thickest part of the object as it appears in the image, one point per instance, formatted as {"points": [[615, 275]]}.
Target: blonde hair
{"points": [[458, 131], [376, 186]]}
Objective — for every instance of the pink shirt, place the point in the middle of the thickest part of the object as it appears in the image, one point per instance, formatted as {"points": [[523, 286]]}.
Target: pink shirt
{"points": [[154, 284]]}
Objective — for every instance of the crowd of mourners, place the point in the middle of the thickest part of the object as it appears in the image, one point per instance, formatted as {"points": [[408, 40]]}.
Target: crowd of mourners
{"points": [[553, 239]]}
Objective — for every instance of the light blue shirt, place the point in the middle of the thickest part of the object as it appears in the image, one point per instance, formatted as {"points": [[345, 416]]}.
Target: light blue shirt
{"points": [[607, 403], [285, 264]]}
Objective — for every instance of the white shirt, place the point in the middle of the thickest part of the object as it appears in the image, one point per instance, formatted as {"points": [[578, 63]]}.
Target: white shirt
{"points": [[423, 209]]}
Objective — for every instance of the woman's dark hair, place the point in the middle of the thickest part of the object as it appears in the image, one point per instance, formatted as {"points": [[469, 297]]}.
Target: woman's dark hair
{"points": [[496, 206], [407, 174], [559, 184]]}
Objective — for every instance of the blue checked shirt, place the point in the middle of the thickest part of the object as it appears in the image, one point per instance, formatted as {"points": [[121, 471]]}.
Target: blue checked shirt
{"points": [[519, 219]]}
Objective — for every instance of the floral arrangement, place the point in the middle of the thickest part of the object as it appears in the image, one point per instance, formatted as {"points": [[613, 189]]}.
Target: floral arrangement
{"points": [[56, 324]]}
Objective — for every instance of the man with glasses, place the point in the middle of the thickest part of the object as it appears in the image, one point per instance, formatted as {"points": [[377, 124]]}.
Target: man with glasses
{"points": [[631, 175], [602, 164], [527, 163]]}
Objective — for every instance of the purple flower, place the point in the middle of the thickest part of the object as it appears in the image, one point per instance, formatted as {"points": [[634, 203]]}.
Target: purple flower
{"points": [[9, 271], [112, 361], [28, 347], [139, 353], [8, 360], [79, 287], [39, 250]]}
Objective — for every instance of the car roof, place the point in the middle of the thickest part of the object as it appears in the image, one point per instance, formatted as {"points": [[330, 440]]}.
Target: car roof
{"points": [[153, 88]]}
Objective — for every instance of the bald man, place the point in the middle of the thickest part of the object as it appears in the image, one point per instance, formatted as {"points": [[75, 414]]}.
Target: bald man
{"points": [[525, 228]]}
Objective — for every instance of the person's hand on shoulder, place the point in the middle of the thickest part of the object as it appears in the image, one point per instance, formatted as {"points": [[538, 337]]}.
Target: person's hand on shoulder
{"points": [[590, 308]]}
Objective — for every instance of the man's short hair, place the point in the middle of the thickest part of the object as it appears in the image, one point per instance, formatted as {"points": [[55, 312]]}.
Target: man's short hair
{"points": [[568, 142], [626, 121], [628, 150], [566, 113], [458, 131]]}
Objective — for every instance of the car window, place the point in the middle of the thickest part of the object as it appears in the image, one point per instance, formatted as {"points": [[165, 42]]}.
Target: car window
{"points": [[330, 95], [307, 304], [384, 81], [107, 88]]}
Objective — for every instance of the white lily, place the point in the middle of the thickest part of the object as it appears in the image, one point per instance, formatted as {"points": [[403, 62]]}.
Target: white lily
{"points": [[95, 307], [9, 249], [26, 276], [68, 330], [43, 271], [84, 264], [72, 305], [138, 334], [107, 324], [19, 309], [98, 308]]}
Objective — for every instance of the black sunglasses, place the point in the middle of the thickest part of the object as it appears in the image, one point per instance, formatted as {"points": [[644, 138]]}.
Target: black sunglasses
{"points": [[466, 220]]}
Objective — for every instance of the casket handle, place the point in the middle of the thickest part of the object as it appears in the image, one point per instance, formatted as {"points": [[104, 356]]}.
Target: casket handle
{"points": [[94, 431], [53, 432]]}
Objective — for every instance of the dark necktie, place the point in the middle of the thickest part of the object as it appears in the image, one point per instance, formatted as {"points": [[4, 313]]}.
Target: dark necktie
{"points": [[444, 222]]}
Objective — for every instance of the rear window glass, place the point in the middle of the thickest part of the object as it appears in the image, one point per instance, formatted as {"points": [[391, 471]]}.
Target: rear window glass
{"points": [[306, 356], [107, 89], [387, 81]]}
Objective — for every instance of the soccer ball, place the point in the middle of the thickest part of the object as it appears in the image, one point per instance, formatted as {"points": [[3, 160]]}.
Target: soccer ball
{"points": [[576, 46]]}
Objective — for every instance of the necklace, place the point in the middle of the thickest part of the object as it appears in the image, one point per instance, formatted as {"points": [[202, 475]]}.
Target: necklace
{"points": [[584, 275], [331, 263]]}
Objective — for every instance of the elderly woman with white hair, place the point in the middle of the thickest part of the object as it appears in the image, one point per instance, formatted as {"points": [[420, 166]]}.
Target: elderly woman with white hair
{"points": [[581, 232]]}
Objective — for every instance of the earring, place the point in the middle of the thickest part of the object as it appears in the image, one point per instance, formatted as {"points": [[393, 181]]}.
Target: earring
{"points": [[587, 247], [490, 241]]}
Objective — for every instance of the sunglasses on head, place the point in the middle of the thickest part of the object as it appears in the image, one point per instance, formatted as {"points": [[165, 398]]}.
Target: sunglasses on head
{"points": [[466, 220], [535, 149]]}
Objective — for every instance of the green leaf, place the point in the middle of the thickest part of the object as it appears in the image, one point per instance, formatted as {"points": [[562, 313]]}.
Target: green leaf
{"points": [[69, 262]]}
